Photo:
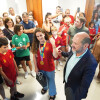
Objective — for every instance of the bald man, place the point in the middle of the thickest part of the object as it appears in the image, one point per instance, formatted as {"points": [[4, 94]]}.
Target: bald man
{"points": [[80, 67]]}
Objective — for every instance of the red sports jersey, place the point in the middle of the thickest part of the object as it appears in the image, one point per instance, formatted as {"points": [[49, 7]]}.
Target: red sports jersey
{"points": [[48, 58], [92, 31], [64, 34], [7, 64], [58, 42]]}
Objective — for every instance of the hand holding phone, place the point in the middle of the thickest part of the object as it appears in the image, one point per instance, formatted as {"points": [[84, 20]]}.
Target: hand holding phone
{"points": [[78, 9], [13, 49]]}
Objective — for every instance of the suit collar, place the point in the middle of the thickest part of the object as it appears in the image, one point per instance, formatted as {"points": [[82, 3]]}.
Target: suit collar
{"points": [[81, 61]]}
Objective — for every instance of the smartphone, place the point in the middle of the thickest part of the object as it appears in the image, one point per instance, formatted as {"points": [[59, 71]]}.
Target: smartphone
{"points": [[61, 9], [13, 49], [78, 9]]}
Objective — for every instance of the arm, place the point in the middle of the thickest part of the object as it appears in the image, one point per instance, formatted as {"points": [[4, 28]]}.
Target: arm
{"points": [[66, 54], [35, 62], [26, 46], [46, 27], [13, 46], [5, 77], [15, 66], [56, 15], [55, 49], [88, 74], [29, 30]]}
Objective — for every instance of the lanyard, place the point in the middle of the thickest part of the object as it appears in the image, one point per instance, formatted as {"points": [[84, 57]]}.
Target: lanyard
{"points": [[42, 51]]}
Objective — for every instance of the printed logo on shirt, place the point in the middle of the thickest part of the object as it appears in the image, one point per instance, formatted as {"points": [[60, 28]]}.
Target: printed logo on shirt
{"points": [[16, 38], [58, 42], [10, 56], [23, 39], [20, 44], [47, 48], [64, 33], [4, 61]]}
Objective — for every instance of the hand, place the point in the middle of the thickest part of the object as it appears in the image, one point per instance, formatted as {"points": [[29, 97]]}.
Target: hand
{"points": [[67, 47], [60, 12], [52, 41], [10, 82], [59, 52], [24, 47], [17, 72]]}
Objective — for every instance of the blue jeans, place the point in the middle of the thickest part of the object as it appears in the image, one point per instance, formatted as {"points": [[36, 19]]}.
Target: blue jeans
{"points": [[51, 82]]}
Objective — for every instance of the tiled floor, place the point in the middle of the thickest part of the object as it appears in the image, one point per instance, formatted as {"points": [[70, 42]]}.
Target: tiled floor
{"points": [[32, 89]]}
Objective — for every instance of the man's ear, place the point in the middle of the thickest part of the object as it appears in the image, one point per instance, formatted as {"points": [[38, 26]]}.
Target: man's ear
{"points": [[86, 45]]}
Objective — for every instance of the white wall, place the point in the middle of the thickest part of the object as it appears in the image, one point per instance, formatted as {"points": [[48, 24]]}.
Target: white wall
{"points": [[72, 5], [18, 5], [50, 5]]}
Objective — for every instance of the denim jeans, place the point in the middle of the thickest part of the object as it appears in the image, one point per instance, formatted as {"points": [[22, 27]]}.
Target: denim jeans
{"points": [[51, 82]]}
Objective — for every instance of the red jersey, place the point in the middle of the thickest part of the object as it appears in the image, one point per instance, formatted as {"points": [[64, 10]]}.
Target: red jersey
{"points": [[58, 42], [71, 22], [7, 64], [48, 58], [92, 31], [64, 34]]}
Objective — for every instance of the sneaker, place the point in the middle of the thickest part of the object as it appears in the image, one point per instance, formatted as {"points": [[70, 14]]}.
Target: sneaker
{"points": [[26, 75], [33, 73], [13, 98], [19, 95], [61, 64], [58, 68]]}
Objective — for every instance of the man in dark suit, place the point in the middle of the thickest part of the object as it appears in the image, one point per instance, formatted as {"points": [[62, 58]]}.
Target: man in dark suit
{"points": [[80, 67]]}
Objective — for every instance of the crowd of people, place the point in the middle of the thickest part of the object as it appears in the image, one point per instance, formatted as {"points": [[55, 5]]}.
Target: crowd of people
{"points": [[62, 35]]}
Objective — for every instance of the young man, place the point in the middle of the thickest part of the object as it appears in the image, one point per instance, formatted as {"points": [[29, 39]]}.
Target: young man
{"points": [[77, 27], [8, 68]]}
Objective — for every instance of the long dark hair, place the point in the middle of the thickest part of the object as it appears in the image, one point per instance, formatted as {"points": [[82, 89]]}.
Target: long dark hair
{"points": [[35, 44], [46, 16], [94, 15], [19, 18]]}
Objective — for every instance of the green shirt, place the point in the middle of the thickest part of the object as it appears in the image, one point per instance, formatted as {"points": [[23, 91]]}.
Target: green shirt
{"points": [[19, 41], [73, 30]]}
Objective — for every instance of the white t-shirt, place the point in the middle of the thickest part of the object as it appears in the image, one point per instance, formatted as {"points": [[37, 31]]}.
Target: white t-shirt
{"points": [[13, 18]]}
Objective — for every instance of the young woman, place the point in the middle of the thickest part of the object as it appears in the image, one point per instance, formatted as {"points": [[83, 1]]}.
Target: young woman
{"points": [[21, 42], [9, 28], [96, 21], [47, 25], [43, 52], [18, 19]]}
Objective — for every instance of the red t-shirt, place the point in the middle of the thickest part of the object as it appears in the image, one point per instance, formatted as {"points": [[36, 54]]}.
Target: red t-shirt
{"points": [[71, 22], [64, 34], [92, 31], [48, 58], [58, 42], [7, 64]]}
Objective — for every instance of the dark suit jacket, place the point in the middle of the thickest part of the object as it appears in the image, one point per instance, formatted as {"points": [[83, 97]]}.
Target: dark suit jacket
{"points": [[81, 75]]}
